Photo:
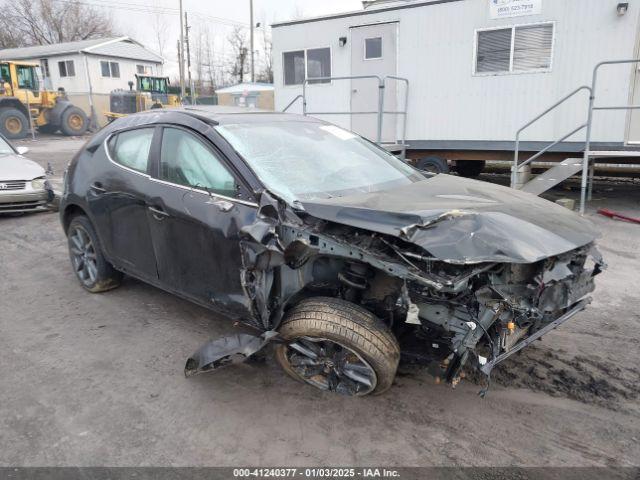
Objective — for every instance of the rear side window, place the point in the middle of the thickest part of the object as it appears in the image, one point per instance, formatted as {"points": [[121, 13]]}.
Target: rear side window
{"points": [[131, 149], [185, 160]]}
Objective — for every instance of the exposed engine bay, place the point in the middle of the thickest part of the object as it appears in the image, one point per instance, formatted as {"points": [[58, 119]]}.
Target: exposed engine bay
{"points": [[460, 311]]}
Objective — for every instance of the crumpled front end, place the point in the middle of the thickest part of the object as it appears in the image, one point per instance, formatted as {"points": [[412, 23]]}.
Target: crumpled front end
{"points": [[446, 310]]}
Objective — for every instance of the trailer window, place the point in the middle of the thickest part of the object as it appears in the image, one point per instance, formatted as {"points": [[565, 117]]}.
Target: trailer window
{"points": [[294, 69], [514, 49], [372, 48], [302, 64]]}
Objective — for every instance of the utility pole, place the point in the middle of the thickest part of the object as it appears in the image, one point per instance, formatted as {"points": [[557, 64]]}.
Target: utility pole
{"points": [[181, 50], [253, 71], [180, 71], [191, 89]]}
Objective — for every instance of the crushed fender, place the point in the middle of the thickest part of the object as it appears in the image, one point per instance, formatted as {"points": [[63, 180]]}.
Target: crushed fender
{"points": [[225, 351]]}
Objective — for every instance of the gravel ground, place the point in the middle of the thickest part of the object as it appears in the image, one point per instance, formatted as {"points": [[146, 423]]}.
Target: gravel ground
{"points": [[92, 380]]}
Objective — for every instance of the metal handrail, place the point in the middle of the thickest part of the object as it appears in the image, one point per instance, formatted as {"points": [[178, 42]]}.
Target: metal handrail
{"points": [[406, 108], [356, 77], [551, 145], [516, 157], [292, 102], [586, 167], [380, 112]]}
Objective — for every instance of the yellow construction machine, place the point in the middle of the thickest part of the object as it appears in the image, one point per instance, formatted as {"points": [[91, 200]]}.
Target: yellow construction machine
{"points": [[151, 92], [22, 99]]}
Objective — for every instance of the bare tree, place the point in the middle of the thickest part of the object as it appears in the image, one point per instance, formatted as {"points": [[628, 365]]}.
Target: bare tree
{"points": [[160, 28], [238, 43], [41, 22], [266, 73]]}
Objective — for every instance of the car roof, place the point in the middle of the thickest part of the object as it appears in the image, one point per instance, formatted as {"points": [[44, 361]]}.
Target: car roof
{"points": [[231, 115]]}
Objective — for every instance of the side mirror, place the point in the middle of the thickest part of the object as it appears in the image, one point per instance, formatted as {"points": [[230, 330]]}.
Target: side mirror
{"points": [[22, 150]]}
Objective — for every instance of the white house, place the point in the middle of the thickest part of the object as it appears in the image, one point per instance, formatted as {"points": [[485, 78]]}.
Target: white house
{"points": [[477, 70], [97, 65]]}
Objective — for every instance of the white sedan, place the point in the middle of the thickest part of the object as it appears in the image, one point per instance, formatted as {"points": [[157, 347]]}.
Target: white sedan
{"points": [[23, 183]]}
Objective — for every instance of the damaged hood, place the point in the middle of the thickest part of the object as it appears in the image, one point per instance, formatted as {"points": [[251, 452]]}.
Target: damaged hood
{"points": [[459, 220]]}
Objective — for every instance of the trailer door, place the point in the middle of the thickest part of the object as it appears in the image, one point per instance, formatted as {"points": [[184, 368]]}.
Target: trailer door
{"points": [[374, 51]]}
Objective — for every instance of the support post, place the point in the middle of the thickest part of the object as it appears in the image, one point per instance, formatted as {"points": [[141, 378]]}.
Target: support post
{"points": [[181, 52], [251, 25], [380, 109]]}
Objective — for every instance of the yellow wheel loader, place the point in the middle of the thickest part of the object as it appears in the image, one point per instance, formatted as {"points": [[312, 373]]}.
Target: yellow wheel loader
{"points": [[21, 98], [151, 92]]}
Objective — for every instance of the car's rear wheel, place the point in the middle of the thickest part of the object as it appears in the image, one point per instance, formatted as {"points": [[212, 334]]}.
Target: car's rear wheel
{"points": [[338, 346], [91, 268]]}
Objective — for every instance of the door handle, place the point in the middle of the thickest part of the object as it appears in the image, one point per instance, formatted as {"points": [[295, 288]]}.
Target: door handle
{"points": [[98, 188], [158, 213]]}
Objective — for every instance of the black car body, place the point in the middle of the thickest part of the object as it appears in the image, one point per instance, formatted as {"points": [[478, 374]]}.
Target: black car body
{"points": [[427, 268]]}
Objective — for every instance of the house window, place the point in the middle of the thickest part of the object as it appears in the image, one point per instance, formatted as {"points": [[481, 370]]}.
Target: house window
{"points": [[67, 68], [372, 48], [143, 70], [302, 64], [44, 66], [515, 49], [110, 69]]}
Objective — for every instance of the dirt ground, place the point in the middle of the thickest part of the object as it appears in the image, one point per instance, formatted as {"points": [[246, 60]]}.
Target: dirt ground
{"points": [[89, 380]]}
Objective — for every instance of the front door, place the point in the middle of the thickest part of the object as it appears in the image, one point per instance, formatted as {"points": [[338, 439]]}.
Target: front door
{"points": [[373, 52], [195, 223]]}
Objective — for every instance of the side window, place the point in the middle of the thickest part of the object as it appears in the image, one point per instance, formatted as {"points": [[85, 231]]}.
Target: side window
{"points": [[187, 161], [131, 149]]}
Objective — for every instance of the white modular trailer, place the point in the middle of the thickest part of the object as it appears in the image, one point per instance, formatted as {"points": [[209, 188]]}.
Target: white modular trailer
{"points": [[478, 70]]}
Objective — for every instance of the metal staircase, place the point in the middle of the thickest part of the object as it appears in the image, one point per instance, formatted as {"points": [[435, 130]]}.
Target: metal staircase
{"points": [[570, 166]]}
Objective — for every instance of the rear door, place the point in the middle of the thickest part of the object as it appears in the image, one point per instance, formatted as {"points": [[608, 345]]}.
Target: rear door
{"points": [[195, 220], [373, 52], [120, 196]]}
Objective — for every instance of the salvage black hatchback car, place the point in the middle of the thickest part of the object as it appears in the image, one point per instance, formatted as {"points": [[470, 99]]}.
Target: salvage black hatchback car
{"points": [[343, 256]]}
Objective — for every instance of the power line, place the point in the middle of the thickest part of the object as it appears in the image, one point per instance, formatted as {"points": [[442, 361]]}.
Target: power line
{"points": [[139, 8]]}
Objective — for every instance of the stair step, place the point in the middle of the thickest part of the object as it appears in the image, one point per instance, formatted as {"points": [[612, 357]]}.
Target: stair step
{"points": [[553, 176], [614, 153]]}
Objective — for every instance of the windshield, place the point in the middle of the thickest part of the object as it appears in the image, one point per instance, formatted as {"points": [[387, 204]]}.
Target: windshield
{"points": [[152, 84], [308, 160], [5, 148]]}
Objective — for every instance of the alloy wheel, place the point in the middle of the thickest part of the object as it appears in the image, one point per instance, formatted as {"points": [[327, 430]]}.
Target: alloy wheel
{"points": [[328, 365], [83, 256]]}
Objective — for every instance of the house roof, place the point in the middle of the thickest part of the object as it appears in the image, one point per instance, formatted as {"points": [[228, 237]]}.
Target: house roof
{"points": [[247, 87], [122, 47]]}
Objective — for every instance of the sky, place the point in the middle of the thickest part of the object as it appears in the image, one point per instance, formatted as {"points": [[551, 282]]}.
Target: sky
{"points": [[141, 19]]}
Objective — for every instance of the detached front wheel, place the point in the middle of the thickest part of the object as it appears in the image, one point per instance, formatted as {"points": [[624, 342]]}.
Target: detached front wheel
{"points": [[338, 346]]}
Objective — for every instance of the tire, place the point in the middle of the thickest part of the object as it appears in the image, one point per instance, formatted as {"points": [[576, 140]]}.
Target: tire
{"points": [[13, 123], [101, 276], [360, 340], [433, 165], [74, 122], [470, 168]]}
